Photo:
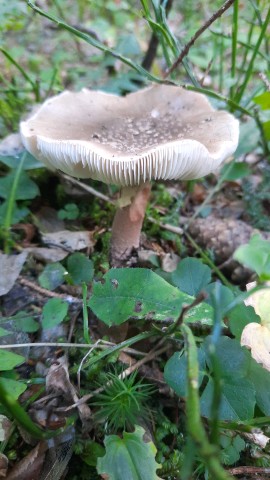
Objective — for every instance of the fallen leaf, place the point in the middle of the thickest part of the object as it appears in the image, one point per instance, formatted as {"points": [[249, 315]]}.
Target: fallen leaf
{"points": [[10, 268], [260, 302], [70, 240], [11, 145], [30, 466], [257, 338], [3, 465], [5, 425], [48, 255]]}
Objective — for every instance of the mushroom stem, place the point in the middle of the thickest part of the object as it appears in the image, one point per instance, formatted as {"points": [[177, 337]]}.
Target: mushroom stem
{"points": [[127, 224]]}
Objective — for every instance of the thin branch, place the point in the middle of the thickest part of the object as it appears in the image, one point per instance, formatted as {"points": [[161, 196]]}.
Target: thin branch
{"points": [[199, 32], [102, 345], [85, 187], [248, 470], [48, 293]]}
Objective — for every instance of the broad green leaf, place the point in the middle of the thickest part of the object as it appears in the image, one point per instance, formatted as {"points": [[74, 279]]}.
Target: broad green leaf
{"points": [[138, 293], [29, 163], [237, 399], [4, 332], [219, 296], [263, 100], [18, 214], [239, 317], [256, 256], [260, 378], [26, 189], [249, 137], [80, 268], [52, 276], [25, 322], [175, 372], [54, 312], [191, 276], [128, 458], [13, 387], [9, 360], [92, 450], [233, 172], [233, 359], [266, 129]]}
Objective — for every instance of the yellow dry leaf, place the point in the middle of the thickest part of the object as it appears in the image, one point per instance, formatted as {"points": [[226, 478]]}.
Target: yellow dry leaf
{"points": [[257, 336]]}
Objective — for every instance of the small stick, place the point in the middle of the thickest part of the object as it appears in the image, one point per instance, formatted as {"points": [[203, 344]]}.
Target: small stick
{"points": [[87, 188], [152, 354], [199, 32], [48, 293], [102, 346], [166, 226], [248, 470]]}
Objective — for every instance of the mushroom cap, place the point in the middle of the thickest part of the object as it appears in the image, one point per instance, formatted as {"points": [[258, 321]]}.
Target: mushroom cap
{"points": [[160, 132]]}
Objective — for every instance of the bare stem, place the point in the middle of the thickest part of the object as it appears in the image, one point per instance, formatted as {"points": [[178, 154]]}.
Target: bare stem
{"points": [[127, 225]]}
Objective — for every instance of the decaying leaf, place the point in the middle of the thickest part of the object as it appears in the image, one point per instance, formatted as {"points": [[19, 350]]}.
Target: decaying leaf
{"points": [[10, 267], [48, 255], [11, 145], [3, 465], [257, 336], [58, 381], [30, 466], [5, 425], [70, 240]]}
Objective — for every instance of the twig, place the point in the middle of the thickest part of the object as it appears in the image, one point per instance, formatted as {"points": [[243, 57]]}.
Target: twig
{"points": [[166, 226], [87, 188], [102, 344], [48, 293], [248, 470], [199, 32], [199, 299], [152, 354]]}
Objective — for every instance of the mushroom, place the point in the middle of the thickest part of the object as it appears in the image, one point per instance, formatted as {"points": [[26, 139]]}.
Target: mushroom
{"points": [[161, 132]]}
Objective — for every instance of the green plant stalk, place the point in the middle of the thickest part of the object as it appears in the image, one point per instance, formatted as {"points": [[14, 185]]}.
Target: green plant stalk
{"points": [[208, 261], [85, 315], [23, 419], [234, 44], [195, 426], [247, 46], [216, 332], [95, 43], [116, 348], [11, 204], [249, 71], [34, 85]]}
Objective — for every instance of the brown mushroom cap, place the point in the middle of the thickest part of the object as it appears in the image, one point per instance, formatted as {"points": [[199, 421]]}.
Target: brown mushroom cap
{"points": [[161, 132]]}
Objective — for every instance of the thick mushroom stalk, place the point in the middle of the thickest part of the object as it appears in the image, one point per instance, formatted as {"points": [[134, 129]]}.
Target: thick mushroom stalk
{"points": [[127, 225]]}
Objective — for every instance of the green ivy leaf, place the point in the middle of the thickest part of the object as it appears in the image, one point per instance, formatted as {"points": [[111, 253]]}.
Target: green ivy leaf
{"points": [[54, 312], [9, 360], [138, 293], [175, 372], [26, 189], [29, 163], [13, 387], [239, 317], [191, 276], [256, 256], [80, 268], [52, 276], [233, 359], [231, 172], [18, 214], [261, 381], [237, 399], [263, 100], [129, 457]]}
